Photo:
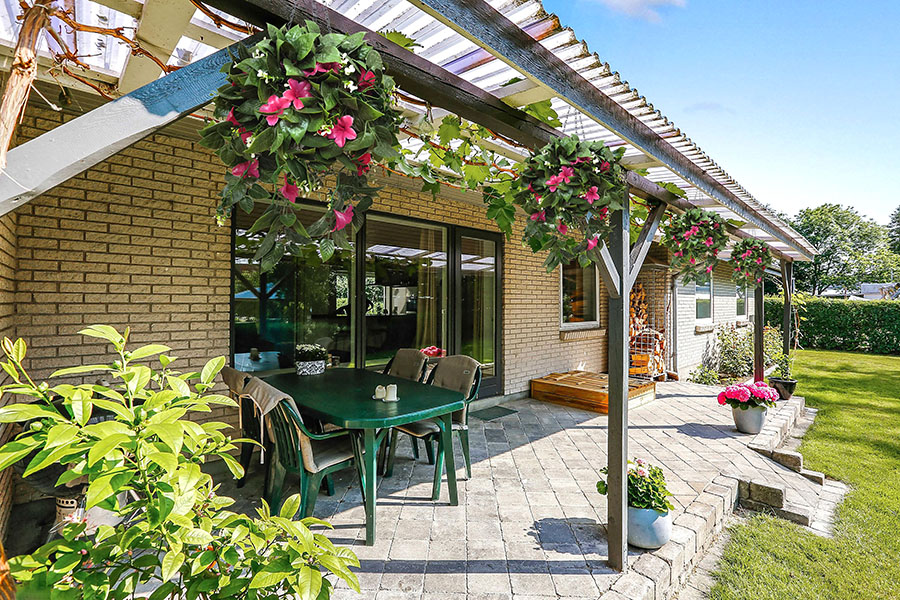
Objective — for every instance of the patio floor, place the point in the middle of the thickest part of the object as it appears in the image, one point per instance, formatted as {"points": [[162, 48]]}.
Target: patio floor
{"points": [[530, 522]]}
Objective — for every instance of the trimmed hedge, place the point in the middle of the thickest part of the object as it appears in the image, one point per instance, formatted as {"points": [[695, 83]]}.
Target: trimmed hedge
{"points": [[850, 325]]}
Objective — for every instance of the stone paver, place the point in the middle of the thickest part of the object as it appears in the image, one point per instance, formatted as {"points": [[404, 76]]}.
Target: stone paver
{"points": [[530, 523]]}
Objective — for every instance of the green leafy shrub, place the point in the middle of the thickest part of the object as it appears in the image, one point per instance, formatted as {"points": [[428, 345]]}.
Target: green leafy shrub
{"points": [[143, 463], [646, 486], [735, 349], [785, 363], [704, 375], [848, 325]]}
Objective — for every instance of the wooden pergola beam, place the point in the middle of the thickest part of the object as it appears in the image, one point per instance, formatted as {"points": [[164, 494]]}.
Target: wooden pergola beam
{"points": [[479, 22], [93, 137], [160, 27]]}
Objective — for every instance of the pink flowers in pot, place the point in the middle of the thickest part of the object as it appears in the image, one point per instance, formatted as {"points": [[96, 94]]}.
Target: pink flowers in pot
{"points": [[743, 394], [434, 352]]}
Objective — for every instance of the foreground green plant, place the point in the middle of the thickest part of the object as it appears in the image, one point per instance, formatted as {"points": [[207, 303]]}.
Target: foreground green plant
{"points": [[143, 463], [646, 486]]}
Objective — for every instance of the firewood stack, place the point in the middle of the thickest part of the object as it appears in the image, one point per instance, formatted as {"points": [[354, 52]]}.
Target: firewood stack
{"points": [[647, 345]]}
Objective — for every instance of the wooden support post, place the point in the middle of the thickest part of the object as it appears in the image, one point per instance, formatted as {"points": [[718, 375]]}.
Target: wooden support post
{"points": [[787, 282], [759, 358], [617, 435]]}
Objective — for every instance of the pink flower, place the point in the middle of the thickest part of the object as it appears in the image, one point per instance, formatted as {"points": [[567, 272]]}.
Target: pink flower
{"points": [[708, 241], [554, 182], [289, 190], [246, 169], [693, 260], [562, 228], [322, 68], [604, 167], [603, 212], [715, 225], [539, 216], [566, 173], [591, 194], [695, 230], [366, 80], [679, 253], [274, 108], [592, 243], [722, 398], [582, 159], [245, 135], [709, 269], [296, 91], [746, 254], [759, 261], [363, 164], [231, 118], [687, 234], [343, 218], [342, 131]]}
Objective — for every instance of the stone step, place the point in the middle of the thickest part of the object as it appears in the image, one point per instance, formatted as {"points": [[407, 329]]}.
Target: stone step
{"points": [[763, 496]]}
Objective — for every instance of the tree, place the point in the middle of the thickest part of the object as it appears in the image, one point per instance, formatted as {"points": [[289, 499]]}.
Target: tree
{"points": [[848, 245], [894, 232]]}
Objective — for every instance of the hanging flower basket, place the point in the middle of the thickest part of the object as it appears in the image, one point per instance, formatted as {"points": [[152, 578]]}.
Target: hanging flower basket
{"points": [[299, 106], [568, 189], [751, 258], [695, 239]]}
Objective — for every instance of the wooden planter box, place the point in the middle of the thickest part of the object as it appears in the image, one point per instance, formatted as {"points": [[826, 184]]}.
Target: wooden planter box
{"points": [[588, 391]]}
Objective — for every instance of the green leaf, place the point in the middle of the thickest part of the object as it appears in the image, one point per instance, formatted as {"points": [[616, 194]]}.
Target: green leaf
{"points": [[326, 249], [290, 507], [171, 434], [104, 332], [166, 460], [178, 385], [328, 54], [262, 141], [149, 350], [197, 537], [16, 413], [16, 450], [105, 486], [233, 465], [104, 446], [211, 369], [402, 40], [80, 369], [309, 582]]}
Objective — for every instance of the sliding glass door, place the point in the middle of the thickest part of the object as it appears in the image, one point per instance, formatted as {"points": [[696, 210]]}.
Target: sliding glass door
{"points": [[477, 322], [403, 283]]}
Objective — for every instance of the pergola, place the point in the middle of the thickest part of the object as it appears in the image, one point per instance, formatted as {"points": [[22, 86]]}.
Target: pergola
{"points": [[468, 50]]}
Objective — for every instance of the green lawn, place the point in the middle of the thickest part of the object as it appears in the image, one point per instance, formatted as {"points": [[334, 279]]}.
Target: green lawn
{"points": [[855, 439]]}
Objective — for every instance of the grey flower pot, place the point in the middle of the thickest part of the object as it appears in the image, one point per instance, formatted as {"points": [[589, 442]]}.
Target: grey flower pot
{"points": [[310, 367], [648, 528], [750, 420]]}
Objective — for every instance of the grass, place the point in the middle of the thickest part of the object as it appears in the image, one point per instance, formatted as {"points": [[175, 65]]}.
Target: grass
{"points": [[855, 439]]}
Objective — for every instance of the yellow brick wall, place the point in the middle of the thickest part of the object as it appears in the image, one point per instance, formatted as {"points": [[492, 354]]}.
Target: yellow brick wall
{"points": [[133, 242]]}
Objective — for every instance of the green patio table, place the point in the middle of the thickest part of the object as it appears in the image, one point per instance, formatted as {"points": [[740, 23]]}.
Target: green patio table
{"points": [[344, 397]]}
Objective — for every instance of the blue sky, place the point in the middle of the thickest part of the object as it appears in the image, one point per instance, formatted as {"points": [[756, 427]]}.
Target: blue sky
{"points": [[798, 100]]}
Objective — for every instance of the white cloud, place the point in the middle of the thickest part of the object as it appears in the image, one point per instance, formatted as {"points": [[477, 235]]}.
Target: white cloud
{"points": [[642, 9]]}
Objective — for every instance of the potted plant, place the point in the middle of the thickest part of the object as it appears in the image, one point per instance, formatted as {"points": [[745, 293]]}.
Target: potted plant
{"points": [[175, 534], [310, 359], [749, 404], [649, 516], [781, 380]]}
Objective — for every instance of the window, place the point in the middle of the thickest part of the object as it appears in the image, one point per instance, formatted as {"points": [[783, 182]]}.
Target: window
{"points": [[578, 303], [740, 292], [301, 301], [703, 296]]}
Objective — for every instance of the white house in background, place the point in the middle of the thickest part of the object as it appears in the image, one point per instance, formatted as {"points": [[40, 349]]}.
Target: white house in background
{"points": [[879, 291]]}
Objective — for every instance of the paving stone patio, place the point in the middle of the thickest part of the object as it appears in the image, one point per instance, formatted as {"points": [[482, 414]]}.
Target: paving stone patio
{"points": [[530, 523]]}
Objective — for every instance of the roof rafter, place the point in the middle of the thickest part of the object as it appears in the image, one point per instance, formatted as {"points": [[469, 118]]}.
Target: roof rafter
{"points": [[481, 24], [160, 27]]}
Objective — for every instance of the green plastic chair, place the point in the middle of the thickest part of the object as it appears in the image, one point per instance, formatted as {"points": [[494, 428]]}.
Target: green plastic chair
{"points": [[460, 373], [314, 456]]}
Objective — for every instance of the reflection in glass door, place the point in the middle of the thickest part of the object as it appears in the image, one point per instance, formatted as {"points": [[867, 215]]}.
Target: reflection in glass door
{"points": [[478, 306]]}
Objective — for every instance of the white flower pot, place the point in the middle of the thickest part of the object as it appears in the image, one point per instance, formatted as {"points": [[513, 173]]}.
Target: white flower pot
{"points": [[749, 420], [310, 367], [649, 528]]}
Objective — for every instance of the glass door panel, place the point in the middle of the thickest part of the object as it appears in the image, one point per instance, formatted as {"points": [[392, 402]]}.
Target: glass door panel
{"points": [[478, 302], [406, 287], [301, 301]]}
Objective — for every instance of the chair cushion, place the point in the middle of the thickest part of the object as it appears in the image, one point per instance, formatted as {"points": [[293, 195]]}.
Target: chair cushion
{"points": [[330, 452], [408, 364], [420, 429], [456, 373]]}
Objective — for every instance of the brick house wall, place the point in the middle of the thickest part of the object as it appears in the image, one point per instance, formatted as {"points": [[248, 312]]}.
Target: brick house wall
{"points": [[696, 341], [133, 242]]}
